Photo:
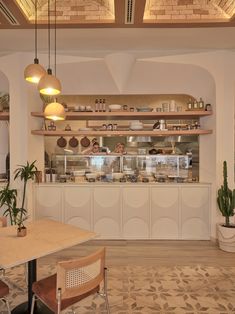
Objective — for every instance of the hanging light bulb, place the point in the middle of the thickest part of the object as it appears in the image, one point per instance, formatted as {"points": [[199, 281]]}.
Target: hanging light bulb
{"points": [[34, 72], [49, 84], [54, 111]]}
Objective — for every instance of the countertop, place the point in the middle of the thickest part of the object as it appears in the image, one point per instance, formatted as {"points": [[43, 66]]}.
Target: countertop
{"points": [[120, 184]]}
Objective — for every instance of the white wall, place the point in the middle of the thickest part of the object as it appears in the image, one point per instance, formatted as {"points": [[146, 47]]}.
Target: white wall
{"points": [[4, 127], [209, 75]]}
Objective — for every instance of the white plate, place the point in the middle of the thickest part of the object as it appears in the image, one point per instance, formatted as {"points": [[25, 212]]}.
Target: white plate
{"points": [[135, 128], [85, 129], [114, 106]]}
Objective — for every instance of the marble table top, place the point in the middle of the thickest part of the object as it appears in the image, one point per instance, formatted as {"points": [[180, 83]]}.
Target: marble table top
{"points": [[43, 238]]}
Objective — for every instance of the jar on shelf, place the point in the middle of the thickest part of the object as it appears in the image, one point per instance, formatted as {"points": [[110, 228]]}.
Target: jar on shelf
{"points": [[195, 104], [110, 127], [189, 104], [67, 128]]}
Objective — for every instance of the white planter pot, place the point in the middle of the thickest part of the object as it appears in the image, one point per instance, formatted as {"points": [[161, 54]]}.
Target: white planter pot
{"points": [[226, 238]]}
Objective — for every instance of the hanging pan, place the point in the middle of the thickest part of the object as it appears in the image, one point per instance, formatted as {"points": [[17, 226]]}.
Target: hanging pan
{"points": [[73, 142], [85, 142], [61, 142]]}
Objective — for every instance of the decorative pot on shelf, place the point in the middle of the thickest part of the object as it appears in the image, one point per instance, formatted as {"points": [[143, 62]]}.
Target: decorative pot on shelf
{"points": [[21, 232]]}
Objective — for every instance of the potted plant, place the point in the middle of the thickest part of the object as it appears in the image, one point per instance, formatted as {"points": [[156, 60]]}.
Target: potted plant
{"points": [[226, 204], [8, 197]]}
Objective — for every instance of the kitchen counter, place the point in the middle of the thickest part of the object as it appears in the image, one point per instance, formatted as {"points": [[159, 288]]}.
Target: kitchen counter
{"points": [[129, 210], [98, 183]]}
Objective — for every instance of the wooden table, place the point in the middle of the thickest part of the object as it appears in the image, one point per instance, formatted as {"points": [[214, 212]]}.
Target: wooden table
{"points": [[43, 237]]}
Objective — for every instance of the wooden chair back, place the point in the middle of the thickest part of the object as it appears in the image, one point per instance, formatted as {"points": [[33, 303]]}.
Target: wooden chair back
{"points": [[3, 221], [79, 276]]}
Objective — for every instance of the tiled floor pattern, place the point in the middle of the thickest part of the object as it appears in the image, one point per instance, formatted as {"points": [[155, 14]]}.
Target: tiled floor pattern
{"points": [[155, 290]]}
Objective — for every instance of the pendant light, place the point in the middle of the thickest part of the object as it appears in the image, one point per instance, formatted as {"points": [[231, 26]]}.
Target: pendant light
{"points": [[54, 111], [34, 72], [49, 84]]}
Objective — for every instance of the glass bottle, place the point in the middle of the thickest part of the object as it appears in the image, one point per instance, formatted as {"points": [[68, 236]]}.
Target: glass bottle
{"points": [[195, 104], [190, 105], [96, 105], [201, 104], [104, 105]]}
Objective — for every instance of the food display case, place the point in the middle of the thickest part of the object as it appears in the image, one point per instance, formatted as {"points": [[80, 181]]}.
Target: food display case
{"points": [[134, 168], [85, 163]]}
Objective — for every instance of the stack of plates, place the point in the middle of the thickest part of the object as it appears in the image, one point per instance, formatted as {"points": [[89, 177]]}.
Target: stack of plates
{"points": [[144, 109], [136, 125]]}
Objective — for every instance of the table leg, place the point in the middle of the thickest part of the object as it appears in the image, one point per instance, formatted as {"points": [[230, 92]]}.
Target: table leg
{"points": [[24, 308]]}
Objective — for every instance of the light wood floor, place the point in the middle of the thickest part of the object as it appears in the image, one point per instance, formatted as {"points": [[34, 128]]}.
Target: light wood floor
{"points": [[150, 253]]}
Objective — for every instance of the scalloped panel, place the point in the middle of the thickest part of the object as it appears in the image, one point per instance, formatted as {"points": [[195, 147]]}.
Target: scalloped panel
{"points": [[195, 228], [195, 203], [136, 203], [165, 228], [77, 204], [107, 228], [165, 203], [107, 203], [48, 202], [135, 228]]}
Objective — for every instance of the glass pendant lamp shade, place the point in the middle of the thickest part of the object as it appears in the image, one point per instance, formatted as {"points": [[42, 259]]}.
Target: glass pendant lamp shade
{"points": [[49, 84], [54, 111], [34, 72]]}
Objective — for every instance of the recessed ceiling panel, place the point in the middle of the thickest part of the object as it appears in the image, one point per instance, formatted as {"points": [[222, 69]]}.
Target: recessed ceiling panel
{"points": [[71, 12], [188, 11]]}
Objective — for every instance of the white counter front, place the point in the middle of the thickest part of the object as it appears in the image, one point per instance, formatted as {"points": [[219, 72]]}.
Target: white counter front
{"points": [[129, 211]]}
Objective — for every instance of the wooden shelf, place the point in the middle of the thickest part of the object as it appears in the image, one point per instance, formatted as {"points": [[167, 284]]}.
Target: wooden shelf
{"points": [[4, 115], [131, 115], [120, 133]]}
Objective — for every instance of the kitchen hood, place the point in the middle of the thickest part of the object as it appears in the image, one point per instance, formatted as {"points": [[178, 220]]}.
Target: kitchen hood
{"points": [[139, 139]]}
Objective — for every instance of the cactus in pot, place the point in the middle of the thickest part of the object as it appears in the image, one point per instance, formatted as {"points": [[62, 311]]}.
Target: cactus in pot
{"points": [[226, 199]]}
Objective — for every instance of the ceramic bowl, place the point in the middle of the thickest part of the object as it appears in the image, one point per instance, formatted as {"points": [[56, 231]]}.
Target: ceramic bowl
{"points": [[114, 107]]}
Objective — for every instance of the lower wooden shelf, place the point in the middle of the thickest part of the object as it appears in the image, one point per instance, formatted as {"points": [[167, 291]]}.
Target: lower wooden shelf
{"points": [[120, 133]]}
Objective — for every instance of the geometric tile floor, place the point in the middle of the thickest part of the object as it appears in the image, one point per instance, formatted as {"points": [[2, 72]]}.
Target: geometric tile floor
{"points": [[155, 290]]}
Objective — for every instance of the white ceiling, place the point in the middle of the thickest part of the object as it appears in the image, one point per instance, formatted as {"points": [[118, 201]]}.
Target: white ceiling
{"points": [[143, 42]]}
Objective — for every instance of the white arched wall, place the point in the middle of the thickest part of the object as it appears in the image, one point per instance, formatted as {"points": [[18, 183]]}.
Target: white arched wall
{"points": [[221, 65], [4, 127], [205, 74]]}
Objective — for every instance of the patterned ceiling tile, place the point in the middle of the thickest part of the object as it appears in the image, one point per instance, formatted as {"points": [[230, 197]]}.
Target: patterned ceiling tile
{"points": [[72, 11], [188, 10]]}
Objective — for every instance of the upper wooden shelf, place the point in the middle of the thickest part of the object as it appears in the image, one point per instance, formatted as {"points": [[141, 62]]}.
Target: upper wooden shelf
{"points": [[130, 115], [120, 133], [4, 115]]}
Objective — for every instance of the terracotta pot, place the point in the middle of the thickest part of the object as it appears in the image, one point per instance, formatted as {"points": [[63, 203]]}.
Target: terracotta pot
{"points": [[21, 232]]}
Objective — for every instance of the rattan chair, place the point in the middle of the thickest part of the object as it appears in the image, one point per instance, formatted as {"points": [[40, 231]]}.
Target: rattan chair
{"points": [[74, 281], [4, 291]]}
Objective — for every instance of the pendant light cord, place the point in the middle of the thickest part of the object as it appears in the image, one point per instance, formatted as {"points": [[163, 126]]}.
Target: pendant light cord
{"points": [[49, 38], [55, 36], [36, 29]]}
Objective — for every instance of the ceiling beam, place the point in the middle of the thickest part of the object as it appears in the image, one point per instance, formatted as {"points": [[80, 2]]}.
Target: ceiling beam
{"points": [[16, 13], [119, 9], [139, 12]]}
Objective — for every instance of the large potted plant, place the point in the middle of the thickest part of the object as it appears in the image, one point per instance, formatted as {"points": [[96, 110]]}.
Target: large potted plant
{"points": [[9, 197], [226, 204]]}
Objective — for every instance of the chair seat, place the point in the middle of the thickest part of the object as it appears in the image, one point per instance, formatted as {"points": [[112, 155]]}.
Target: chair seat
{"points": [[45, 289], [4, 289]]}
